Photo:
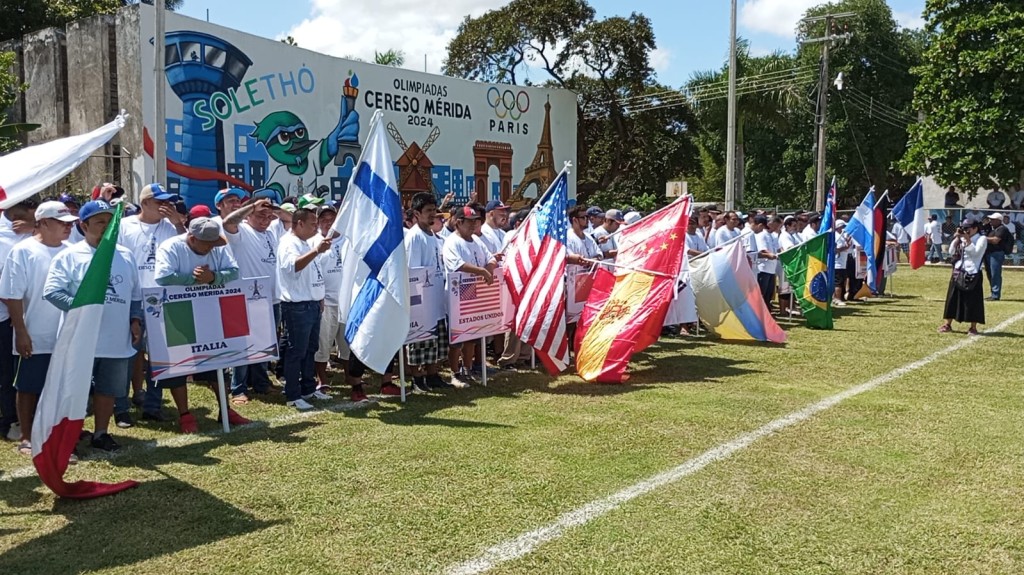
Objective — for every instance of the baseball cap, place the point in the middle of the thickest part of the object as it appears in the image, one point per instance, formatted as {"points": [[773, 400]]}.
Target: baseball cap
{"points": [[118, 191], [69, 199], [616, 215], [632, 217], [200, 211], [239, 193], [328, 207], [813, 217], [467, 213], [206, 230], [54, 210], [308, 200], [840, 224], [761, 219], [995, 216], [94, 207], [495, 205], [969, 223], [594, 211], [789, 219], [158, 193], [290, 208], [269, 194]]}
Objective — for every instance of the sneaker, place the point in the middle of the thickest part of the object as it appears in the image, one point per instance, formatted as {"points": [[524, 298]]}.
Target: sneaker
{"points": [[434, 380], [420, 387], [317, 395], [187, 423], [123, 420], [838, 302], [153, 416], [14, 433], [458, 382], [234, 418], [300, 404], [358, 394], [105, 443], [491, 372], [73, 460], [390, 390], [990, 298], [468, 377], [945, 328], [972, 331]]}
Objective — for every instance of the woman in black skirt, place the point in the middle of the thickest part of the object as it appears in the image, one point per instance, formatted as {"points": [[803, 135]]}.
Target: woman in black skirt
{"points": [[965, 301]]}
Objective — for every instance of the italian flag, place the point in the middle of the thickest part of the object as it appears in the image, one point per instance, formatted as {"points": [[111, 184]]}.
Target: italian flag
{"points": [[61, 410]]}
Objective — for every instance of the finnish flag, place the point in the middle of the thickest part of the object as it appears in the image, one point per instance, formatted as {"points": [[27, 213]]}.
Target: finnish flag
{"points": [[374, 297]]}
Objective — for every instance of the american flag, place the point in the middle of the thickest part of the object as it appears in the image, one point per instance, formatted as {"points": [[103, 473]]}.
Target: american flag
{"points": [[536, 277], [475, 296]]}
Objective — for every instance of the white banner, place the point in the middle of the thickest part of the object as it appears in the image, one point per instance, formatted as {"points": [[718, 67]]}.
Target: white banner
{"points": [[892, 257], [192, 329], [474, 306], [423, 305]]}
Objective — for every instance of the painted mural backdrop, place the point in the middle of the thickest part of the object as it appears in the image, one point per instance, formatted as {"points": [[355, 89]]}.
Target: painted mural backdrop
{"points": [[253, 113]]}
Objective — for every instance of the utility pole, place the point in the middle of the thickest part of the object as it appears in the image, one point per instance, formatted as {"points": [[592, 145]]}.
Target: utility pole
{"points": [[730, 138], [822, 116], [160, 93]]}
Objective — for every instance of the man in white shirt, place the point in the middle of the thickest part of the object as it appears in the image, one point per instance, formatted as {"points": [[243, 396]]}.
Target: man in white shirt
{"points": [[580, 251], [332, 332], [844, 244], [142, 234], [462, 253], [302, 294], [254, 245], [424, 251], [493, 231], [197, 258], [813, 224], [995, 199], [1016, 197], [16, 224], [35, 321], [729, 230], [765, 262], [595, 217], [933, 234], [604, 234], [121, 325], [227, 201]]}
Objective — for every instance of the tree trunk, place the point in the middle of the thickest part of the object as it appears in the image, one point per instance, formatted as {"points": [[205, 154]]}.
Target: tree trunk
{"points": [[741, 161]]}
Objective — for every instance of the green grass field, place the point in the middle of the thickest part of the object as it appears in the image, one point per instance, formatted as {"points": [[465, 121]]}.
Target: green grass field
{"points": [[923, 474]]}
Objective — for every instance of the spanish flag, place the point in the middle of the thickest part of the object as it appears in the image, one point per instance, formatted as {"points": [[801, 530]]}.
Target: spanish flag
{"points": [[627, 307], [807, 270]]}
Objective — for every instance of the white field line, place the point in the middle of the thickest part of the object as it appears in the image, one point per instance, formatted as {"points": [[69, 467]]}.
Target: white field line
{"points": [[527, 542], [192, 439]]}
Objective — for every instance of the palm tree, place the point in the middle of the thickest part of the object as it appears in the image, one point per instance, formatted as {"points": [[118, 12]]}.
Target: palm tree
{"points": [[392, 57]]}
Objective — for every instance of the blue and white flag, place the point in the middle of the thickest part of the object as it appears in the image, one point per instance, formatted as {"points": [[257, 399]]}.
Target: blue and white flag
{"points": [[862, 230], [374, 297]]}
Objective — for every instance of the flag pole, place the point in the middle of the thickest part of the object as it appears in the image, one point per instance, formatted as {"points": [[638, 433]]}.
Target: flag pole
{"points": [[743, 234], [533, 208], [630, 268], [401, 371], [223, 400]]}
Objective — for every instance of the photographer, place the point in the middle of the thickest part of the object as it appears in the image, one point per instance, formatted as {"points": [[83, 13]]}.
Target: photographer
{"points": [[964, 298]]}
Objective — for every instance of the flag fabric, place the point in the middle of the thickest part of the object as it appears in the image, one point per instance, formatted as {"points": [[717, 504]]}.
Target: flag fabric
{"points": [[224, 317], [879, 236], [828, 225], [30, 170], [626, 309], [729, 300], [910, 213], [475, 296], [535, 277], [60, 412], [374, 296], [862, 229], [806, 267]]}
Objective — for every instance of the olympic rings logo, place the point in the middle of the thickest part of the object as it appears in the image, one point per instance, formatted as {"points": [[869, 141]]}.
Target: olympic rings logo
{"points": [[508, 104]]}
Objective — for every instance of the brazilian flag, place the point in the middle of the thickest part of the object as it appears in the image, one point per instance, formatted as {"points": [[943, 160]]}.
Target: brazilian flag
{"points": [[808, 271]]}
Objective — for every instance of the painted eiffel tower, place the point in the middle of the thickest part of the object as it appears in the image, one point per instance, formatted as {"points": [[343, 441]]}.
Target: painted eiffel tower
{"points": [[541, 170]]}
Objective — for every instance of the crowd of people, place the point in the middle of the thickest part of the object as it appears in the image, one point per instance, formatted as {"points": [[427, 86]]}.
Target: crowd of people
{"points": [[46, 248]]}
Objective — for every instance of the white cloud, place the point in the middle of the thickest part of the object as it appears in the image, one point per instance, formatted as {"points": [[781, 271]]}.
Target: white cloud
{"points": [[359, 27], [777, 17], [908, 19], [661, 59]]}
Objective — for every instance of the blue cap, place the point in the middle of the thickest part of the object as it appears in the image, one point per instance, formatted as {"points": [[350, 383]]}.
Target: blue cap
{"points": [[157, 192], [94, 207], [495, 205], [69, 199], [595, 211], [241, 194]]}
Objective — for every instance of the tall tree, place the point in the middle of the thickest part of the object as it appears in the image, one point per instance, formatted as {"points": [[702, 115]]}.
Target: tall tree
{"points": [[606, 62], [971, 95], [23, 16]]}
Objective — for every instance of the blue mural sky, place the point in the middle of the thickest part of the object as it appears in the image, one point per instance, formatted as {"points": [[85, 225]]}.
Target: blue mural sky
{"points": [[691, 34]]}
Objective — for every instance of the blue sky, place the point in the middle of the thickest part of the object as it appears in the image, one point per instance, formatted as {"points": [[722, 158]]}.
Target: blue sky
{"points": [[691, 34]]}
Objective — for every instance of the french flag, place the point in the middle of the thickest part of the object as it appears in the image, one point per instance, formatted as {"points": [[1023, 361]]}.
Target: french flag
{"points": [[910, 213]]}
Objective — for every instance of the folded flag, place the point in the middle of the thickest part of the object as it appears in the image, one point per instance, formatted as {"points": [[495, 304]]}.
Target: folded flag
{"points": [[806, 267], [626, 310], [729, 301], [374, 296], [910, 213], [60, 412], [862, 229]]}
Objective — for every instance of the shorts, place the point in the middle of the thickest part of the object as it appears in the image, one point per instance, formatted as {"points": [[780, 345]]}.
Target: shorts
{"points": [[30, 373], [331, 331], [430, 351], [110, 375]]}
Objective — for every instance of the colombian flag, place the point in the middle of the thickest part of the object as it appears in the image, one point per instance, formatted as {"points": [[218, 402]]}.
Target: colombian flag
{"points": [[626, 309], [807, 270]]}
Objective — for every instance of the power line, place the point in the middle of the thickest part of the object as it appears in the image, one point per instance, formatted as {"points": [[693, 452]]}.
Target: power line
{"points": [[853, 135], [879, 117], [877, 108], [876, 102]]}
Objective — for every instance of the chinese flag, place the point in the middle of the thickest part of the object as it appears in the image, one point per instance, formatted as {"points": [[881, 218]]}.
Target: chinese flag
{"points": [[626, 308]]}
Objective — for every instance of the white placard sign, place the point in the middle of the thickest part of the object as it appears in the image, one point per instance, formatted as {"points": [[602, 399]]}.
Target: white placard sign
{"points": [[474, 306]]}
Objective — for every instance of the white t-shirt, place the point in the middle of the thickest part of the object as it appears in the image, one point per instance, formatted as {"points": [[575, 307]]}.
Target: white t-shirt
{"points": [[764, 240], [995, 199], [696, 242], [1017, 200], [609, 245], [424, 251], [330, 264], [843, 246], [458, 252], [583, 246], [724, 234], [67, 270], [809, 233], [493, 238], [142, 239], [76, 235], [277, 228], [298, 286], [23, 278], [256, 254], [934, 231], [175, 257], [789, 239]]}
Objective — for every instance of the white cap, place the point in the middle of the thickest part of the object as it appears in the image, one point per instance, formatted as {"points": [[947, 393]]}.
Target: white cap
{"points": [[632, 217], [56, 211]]}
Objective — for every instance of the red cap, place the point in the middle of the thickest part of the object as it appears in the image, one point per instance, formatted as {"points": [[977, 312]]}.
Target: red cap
{"points": [[199, 211]]}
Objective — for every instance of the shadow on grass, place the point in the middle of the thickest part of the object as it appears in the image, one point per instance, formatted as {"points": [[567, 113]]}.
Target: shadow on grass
{"points": [[157, 518]]}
